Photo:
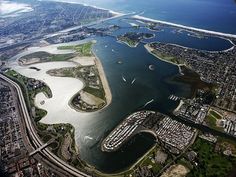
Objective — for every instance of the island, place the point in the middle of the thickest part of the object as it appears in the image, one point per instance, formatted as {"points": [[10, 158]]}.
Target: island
{"points": [[132, 39]]}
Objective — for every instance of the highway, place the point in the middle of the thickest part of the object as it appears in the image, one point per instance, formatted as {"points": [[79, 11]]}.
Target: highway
{"points": [[35, 138]]}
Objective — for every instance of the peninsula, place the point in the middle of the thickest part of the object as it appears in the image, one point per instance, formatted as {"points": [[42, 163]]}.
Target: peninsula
{"points": [[96, 93]]}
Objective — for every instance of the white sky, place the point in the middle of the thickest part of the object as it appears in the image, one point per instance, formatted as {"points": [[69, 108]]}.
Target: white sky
{"points": [[7, 7]]}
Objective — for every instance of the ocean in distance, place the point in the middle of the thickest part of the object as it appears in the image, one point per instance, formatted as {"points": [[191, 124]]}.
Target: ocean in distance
{"points": [[155, 84], [215, 15]]}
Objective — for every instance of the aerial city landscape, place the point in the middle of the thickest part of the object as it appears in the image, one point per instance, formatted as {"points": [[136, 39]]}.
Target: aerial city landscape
{"points": [[117, 88]]}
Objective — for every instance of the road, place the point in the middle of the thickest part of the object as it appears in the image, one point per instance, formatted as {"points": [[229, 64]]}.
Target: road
{"points": [[35, 138], [180, 155]]}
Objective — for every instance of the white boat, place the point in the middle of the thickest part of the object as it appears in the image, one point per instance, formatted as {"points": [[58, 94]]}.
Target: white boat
{"points": [[124, 79], [88, 137], [133, 81]]}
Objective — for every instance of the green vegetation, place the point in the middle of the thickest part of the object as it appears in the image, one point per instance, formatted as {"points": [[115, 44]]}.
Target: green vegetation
{"points": [[82, 50], [212, 118], [31, 93], [168, 58], [74, 72], [47, 132], [210, 163], [92, 82], [58, 132], [149, 159], [41, 126], [185, 163], [39, 114], [96, 92], [60, 57], [132, 39], [227, 144], [211, 121], [128, 41], [46, 57], [215, 114]]}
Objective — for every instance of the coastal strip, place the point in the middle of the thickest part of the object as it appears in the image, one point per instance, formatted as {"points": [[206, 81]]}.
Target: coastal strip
{"points": [[114, 13], [103, 78], [185, 27]]}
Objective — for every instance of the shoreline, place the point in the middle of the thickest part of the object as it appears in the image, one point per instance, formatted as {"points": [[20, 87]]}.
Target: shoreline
{"points": [[126, 43], [84, 4], [210, 51], [118, 174], [104, 81], [179, 106], [149, 50], [114, 13], [138, 17]]}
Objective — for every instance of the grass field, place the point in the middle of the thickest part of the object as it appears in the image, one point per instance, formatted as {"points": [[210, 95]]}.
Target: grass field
{"points": [[212, 118], [127, 40], [168, 58], [215, 114], [83, 49], [45, 57], [96, 92]]}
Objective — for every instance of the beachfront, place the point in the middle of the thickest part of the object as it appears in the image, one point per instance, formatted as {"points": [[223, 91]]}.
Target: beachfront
{"points": [[185, 27]]}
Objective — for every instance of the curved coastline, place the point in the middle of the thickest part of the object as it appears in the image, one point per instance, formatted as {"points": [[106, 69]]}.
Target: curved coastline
{"points": [[110, 99], [105, 84], [104, 81], [185, 27], [149, 49]]}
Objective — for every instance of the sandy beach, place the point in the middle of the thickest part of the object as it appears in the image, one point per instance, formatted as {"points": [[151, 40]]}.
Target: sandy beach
{"points": [[105, 83], [185, 27]]}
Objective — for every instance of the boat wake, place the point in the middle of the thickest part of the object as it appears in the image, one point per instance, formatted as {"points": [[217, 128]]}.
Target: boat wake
{"points": [[133, 81], [149, 102]]}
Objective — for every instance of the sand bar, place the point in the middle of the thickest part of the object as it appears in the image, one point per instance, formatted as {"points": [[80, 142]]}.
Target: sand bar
{"points": [[185, 27]]}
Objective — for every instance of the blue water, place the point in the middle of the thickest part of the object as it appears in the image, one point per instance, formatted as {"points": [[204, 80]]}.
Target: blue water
{"points": [[217, 15], [172, 35], [128, 98]]}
